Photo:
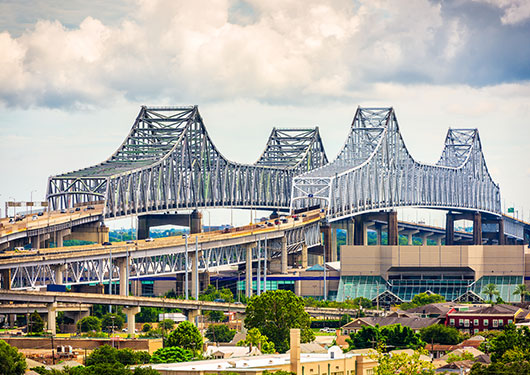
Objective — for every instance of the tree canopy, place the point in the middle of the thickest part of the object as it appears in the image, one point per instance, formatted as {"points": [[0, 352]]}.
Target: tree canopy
{"points": [[256, 339], [422, 299], [171, 354], [11, 361], [89, 323], [36, 323], [186, 336], [112, 321], [491, 290], [211, 294], [220, 333], [402, 363], [274, 313], [441, 334], [391, 337]]}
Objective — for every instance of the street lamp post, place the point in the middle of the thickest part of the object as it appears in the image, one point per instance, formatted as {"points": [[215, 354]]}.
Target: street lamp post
{"points": [[186, 265], [31, 200]]}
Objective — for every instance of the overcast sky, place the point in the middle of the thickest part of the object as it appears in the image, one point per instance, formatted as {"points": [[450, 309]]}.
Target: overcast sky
{"points": [[73, 75]]}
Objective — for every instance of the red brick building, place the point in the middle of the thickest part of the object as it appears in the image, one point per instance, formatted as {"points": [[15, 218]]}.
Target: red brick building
{"points": [[485, 318]]}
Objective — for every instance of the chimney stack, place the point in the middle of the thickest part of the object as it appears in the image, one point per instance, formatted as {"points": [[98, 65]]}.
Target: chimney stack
{"points": [[296, 366]]}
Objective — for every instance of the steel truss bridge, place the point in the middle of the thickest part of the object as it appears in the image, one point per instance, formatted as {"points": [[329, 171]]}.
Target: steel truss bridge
{"points": [[99, 264], [375, 171], [169, 162]]}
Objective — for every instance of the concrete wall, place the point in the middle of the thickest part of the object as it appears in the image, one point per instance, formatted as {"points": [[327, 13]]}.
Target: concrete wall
{"points": [[484, 260]]}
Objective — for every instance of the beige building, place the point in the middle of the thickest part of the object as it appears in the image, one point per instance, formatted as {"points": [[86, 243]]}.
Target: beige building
{"points": [[333, 362]]}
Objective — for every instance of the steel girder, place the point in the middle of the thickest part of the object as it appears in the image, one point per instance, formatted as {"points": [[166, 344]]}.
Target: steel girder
{"points": [[168, 161], [375, 171], [170, 261]]}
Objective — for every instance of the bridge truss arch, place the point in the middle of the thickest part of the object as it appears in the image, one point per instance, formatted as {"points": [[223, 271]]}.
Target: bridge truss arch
{"points": [[375, 171], [168, 161]]}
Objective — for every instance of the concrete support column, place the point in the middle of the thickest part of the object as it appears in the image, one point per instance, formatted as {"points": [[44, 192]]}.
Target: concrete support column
{"points": [[59, 274], [13, 320], [501, 238], [359, 231], [284, 256], [304, 255], [196, 222], [326, 231], [477, 228], [449, 229], [350, 228], [6, 278], [439, 241], [35, 242], [193, 274], [248, 271], [409, 239], [333, 257], [424, 239], [393, 232], [379, 234], [59, 239], [131, 318], [52, 324], [123, 265], [192, 316]]}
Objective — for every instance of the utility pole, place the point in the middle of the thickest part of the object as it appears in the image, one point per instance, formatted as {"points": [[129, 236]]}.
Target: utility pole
{"points": [[186, 286], [196, 267]]}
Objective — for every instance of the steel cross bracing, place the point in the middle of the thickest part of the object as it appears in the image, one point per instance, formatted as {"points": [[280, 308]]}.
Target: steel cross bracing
{"points": [[374, 171], [157, 262], [168, 161]]}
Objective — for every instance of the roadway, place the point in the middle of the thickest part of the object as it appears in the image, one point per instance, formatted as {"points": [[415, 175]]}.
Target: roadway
{"points": [[130, 301], [160, 246]]}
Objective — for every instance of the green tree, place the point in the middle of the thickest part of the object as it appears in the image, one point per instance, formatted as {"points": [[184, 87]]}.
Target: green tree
{"points": [[167, 324], [186, 336], [491, 290], [103, 354], [11, 361], [216, 316], [109, 320], [441, 334], [171, 354], [146, 327], [522, 291], [422, 299], [148, 315], [366, 337], [211, 294], [499, 368], [89, 323], [401, 363], [363, 302], [274, 313], [511, 338], [36, 323], [220, 333], [256, 339], [397, 336], [452, 357], [345, 319]]}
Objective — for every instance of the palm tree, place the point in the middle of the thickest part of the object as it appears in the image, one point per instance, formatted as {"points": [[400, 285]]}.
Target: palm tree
{"points": [[491, 290], [522, 290]]}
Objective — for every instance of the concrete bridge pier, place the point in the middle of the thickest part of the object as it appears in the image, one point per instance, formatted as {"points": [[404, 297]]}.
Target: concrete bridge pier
{"points": [[284, 256], [362, 222], [59, 273], [248, 269], [52, 318], [123, 265], [59, 236], [451, 217], [131, 318], [192, 316], [148, 221], [93, 232], [6, 278]]}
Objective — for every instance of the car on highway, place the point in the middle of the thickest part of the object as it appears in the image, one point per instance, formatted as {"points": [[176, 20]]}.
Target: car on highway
{"points": [[107, 243]]}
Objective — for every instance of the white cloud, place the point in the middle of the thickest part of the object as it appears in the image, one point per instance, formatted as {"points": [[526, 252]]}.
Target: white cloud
{"points": [[190, 51], [515, 11]]}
